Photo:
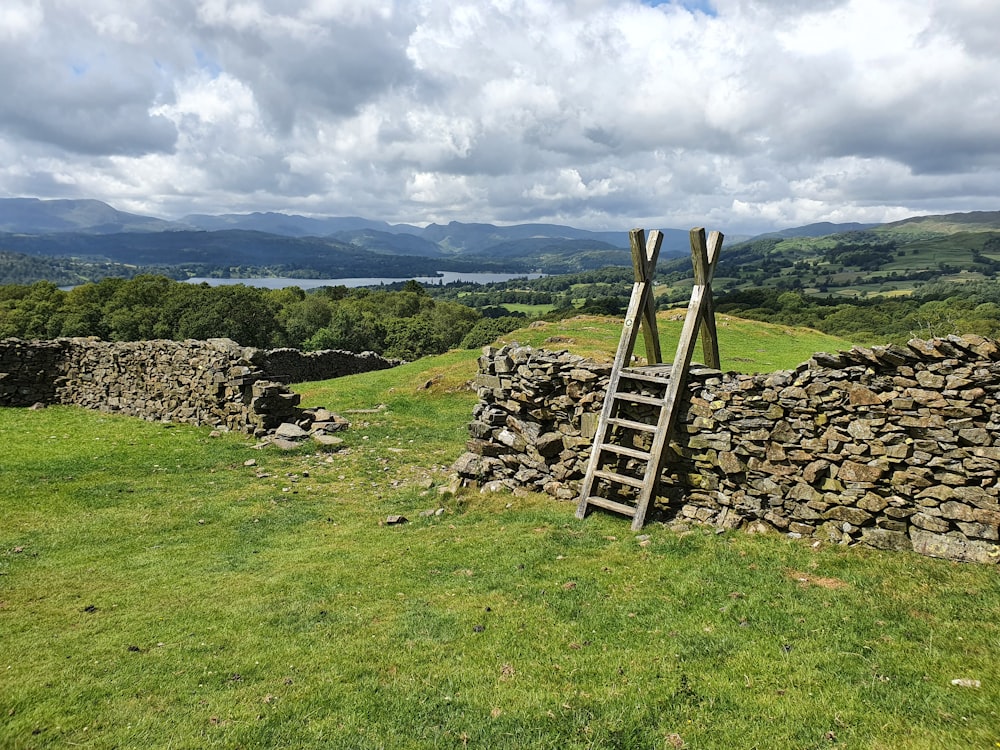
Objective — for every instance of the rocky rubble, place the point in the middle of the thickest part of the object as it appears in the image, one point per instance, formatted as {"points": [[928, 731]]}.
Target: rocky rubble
{"points": [[317, 425], [892, 447]]}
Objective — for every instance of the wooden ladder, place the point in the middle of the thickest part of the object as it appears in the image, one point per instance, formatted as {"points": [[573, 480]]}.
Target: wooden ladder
{"points": [[642, 403]]}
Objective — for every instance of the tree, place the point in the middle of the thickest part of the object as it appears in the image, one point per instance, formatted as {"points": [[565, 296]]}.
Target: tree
{"points": [[84, 308], [241, 313], [302, 318], [350, 329], [33, 312], [133, 313], [413, 338]]}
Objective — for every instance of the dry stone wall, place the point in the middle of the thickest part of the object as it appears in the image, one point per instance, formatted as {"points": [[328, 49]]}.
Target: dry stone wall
{"points": [[214, 382], [892, 447], [296, 366]]}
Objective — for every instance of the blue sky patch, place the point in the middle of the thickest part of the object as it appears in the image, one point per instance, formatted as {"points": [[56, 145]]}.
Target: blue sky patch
{"points": [[699, 6]]}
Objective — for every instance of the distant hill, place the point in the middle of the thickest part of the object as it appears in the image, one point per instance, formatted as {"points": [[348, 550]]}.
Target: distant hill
{"points": [[290, 225], [819, 229], [983, 221], [34, 216], [859, 260], [389, 243]]}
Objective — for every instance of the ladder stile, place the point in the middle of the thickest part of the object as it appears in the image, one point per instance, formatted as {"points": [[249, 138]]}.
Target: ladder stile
{"points": [[609, 457]]}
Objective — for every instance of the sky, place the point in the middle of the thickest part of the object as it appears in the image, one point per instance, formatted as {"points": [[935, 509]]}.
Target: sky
{"points": [[738, 115]]}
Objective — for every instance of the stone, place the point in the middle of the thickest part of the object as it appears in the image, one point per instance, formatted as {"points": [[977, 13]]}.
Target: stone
{"points": [[980, 530], [468, 465], [886, 539], [854, 516], [328, 441], [976, 496], [783, 433], [929, 380], [549, 444], [284, 444], [730, 463], [872, 503], [957, 511], [859, 395], [930, 523], [854, 472], [954, 548], [289, 431]]}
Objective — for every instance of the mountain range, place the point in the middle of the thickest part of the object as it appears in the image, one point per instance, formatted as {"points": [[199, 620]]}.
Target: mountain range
{"points": [[93, 238], [290, 245]]}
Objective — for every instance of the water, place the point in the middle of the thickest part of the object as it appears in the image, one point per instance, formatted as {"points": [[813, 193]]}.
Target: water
{"points": [[446, 277]]}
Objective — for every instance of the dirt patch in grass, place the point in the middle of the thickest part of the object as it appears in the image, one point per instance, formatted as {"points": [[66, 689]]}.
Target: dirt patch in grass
{"points": [[805, 580]]}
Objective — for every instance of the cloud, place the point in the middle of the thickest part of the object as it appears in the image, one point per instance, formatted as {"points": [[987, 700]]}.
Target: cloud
{"points": [[604, 113]]}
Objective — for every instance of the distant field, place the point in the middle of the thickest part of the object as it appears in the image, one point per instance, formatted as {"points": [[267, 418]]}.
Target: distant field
{"points": [[744, 346], [532, 311]]}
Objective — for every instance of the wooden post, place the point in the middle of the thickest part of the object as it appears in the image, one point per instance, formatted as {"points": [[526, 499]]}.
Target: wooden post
{"points": [[704, 257]]}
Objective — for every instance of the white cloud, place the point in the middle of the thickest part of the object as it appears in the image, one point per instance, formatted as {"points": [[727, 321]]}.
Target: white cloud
{"points": [[20, 19], [603, 113]]}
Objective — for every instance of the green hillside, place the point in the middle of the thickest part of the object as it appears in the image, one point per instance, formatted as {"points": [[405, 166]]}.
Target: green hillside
{"points": [[884, 260], [167, 588]]}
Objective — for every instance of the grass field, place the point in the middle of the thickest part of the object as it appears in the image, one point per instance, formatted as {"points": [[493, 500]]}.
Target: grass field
{"points": [[163, 588]]}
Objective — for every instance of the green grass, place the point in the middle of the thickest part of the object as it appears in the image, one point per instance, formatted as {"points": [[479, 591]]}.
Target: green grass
{"points": [[744, 345], [531, 311], [157, 591]]}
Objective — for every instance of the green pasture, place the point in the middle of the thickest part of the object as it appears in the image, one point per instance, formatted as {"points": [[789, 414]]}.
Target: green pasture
{"points": [[164, 587]]}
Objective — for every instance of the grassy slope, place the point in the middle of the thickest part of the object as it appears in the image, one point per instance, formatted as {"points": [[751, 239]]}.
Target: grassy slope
{"points": [[155, 591]]}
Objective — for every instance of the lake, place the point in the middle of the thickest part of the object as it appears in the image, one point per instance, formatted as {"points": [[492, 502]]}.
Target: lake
{"points": [[446, 277]]}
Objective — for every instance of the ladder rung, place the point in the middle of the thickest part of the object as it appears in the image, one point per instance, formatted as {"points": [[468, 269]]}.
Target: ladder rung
{"points": [[625, 451], [638, 398], [619, 478], [632, 425], [646, 377], [601, 502]]}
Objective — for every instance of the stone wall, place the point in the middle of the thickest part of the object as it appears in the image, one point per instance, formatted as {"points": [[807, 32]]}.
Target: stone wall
{"points": [[214, 382], [295, 366], [892, 447]]}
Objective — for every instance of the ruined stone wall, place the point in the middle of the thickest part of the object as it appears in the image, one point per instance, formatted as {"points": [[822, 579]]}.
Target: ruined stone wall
{"points": [[295, 366], [214, 382], [892, 447]]}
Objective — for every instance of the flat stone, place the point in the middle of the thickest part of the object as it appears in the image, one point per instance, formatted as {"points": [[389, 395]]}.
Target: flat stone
{"points": [[954, 548], [854, 516], [977, 496], [980, 530], [730, 463], [873, 503], [468, 464], [285, 445], [930, 523], [886, 539], [327, 440], [289, 431], [957, 511]]}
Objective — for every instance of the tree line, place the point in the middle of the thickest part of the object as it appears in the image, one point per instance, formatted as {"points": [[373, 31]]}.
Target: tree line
{"points": [[406, 323], [409, 321]]}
